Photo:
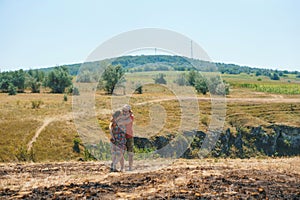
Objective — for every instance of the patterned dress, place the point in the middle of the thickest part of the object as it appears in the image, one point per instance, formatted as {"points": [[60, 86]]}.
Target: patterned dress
{"points": [[118, 136]]}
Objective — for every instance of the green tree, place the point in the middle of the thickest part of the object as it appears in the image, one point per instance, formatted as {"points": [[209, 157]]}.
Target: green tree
{"points": [[275, 77], [200, 85], [37, 74], [258, 73], [18, 80], [58, 79], [12, 90], [112, 75], [34, 79], [14, 78], [5, 81], [192, 77], [33, 84]]}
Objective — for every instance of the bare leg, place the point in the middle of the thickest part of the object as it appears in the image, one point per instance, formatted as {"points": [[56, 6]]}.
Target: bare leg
{"points": [[115, 161], [114, 158], [130, 159], [122, 161], [118, 156]]}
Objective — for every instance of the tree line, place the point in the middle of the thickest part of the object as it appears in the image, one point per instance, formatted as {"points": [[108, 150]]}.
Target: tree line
{"points": [[59, 79], [13, 82], [174, 63], [114, 75]]}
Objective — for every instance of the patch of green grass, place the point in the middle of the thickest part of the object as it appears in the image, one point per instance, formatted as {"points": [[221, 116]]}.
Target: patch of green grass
{"points": [[286, 85], [276, 88]]}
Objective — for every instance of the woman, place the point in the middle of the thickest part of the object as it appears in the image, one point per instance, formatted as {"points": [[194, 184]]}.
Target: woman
{"points": [[118, 141]]}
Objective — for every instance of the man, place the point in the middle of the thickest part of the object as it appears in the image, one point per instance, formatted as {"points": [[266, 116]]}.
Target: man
{"points": [[129, 134]]}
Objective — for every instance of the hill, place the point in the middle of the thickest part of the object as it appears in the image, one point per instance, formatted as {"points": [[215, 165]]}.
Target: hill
{"points": [[262, 115], [177, 63]]}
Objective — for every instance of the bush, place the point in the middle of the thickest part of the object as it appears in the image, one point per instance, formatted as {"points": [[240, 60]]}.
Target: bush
{"points": [[76, 91], [139, 88], [160, 79], [205, 120], [181, 80], [36, 104], [192, 77], [88, 156], [76, 143], [65, 97], [23, 155], [223, 89], [12, 90], [275, 77], [201, 86]]}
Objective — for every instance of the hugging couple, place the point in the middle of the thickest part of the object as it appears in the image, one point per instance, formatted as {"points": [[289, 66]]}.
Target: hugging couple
{"points": [[121, 131]]}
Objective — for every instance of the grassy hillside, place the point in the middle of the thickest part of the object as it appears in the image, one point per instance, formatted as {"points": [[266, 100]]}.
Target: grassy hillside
{"points": [[20, 121], [178, 63], [26, 114]]}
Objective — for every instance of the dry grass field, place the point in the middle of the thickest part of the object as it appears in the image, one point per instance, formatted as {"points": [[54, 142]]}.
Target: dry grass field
{"points": [[38, 159], [42, 125], [20, 121]]}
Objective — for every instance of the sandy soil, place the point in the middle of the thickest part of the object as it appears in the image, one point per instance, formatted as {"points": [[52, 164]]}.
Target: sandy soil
{"points": [[183, 179]]}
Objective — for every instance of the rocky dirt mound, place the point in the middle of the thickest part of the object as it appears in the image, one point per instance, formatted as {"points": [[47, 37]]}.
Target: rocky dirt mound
{"points": [[184, 179]]}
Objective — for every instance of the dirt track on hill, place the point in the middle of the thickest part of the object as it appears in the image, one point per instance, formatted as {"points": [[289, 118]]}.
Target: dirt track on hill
{"points": [[184, 179], [46, 122], [277, 99]]}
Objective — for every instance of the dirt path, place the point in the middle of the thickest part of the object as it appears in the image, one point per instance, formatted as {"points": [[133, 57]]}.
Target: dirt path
{"points": [[250, 100], [46, 122]]}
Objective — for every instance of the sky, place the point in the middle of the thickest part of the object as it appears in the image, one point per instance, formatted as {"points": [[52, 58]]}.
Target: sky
{"points": [[256, 33]]}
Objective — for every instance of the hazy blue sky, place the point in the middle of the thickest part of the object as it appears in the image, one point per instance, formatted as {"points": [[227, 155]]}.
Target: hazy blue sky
{"points": [[258, 33]]}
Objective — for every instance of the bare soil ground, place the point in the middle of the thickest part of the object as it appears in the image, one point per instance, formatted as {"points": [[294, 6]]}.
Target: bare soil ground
{"points": [[183, 179]]}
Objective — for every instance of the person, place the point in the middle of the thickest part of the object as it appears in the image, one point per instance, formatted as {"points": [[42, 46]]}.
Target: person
{"points": [[129, 134], [118, 142]]}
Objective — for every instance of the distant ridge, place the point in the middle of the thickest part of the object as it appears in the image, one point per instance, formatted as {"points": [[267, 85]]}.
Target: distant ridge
{"points": [[179, 63]]}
